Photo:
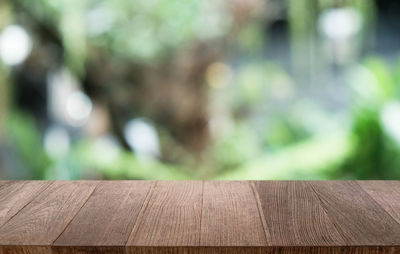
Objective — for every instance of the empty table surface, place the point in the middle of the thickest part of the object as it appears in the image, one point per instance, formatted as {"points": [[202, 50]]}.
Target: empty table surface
{"points": [[200, 217]]}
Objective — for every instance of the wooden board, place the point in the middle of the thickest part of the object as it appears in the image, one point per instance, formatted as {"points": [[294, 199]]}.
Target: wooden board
{"points": [[15, 195], [387, 194], [359, 218], [108, 216], [46, 216], [227, 207], [200, 217], [294, 216], [170, 217]]}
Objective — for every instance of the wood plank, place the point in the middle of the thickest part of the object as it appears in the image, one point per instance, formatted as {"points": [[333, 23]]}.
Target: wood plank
{"points": [[87, 249], [14, 195], [293, 215], [42, 220], [331, 250], [107, 218], [358, 218], [207, 250], [386, 193], [174, 217], [170, 217], [200, 250], [25, 249], [230, 215], [266, 250]]}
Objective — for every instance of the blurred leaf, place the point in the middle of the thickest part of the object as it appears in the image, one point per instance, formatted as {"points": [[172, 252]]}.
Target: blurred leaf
{"points": [[396, 74], [375, 155], [251, 37], [125, 165], [315, 158], [24, 135], [237, 147], [251, 81], [74, 34], [385, 81]]}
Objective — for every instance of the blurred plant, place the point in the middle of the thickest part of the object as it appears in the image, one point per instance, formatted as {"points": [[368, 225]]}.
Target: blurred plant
{"points": [[3, 101], [24, 140], [138, 59], [173, 89], [376, 154], [315, 158], [375, 133], [116, 163]]}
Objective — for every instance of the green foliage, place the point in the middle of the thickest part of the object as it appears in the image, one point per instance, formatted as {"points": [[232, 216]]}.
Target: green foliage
{"points": [[316, 158], [124, 165], [251, 38], [384, 77], [24, 136], [138, 30], [284, 132], [83, 159], [236, 147], [297, 140], [376, 155]]}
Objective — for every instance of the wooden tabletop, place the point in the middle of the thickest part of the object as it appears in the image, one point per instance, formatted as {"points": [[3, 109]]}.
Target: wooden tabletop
{"points": [[200, 217]]}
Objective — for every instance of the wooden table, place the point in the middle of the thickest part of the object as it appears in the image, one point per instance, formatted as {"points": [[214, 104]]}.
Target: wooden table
{"points": [[200, 217]]}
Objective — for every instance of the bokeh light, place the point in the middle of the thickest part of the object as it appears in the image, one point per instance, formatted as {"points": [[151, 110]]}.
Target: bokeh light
{"points": [[15, 45]]}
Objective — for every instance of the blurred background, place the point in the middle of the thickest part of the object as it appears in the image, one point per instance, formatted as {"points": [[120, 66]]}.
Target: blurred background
{"points": [[209, 89]]}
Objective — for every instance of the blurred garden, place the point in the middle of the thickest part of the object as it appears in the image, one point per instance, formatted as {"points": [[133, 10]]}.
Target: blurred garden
{"points": [[209, 89]]}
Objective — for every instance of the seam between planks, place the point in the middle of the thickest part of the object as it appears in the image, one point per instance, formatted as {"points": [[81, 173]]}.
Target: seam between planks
{"points": [[22, 186], [73, 217], [260, 211], [142, 209], [201, 210], [127, 196], [33, 198], [376, 202]]}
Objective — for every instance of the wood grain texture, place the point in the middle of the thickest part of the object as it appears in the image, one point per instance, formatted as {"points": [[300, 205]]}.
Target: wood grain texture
{"points": [[330, 250], [107, 218], [359, 218], [87, 249], [25, 249], [200, 217], [43, 219], [15, 195], [267, 250], [198, 250], [230, 209], [386, 193], [170, 217], [294, 215], [201, 250]]}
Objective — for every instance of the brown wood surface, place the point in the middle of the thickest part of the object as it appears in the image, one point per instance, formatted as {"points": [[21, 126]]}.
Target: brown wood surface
{"points": [[46, 216], [294, 216], [15, 195], [199, 217], [107, 218], [228, 207], [170, 217], [387, 195], [359, 218]]}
